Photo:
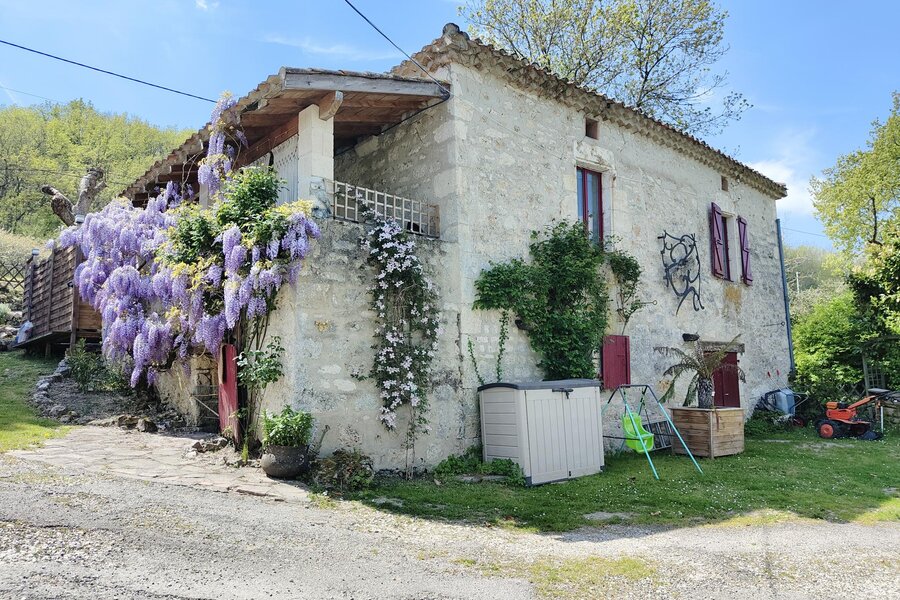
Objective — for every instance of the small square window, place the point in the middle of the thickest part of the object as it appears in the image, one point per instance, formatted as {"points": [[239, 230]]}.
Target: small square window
{"points": [[724, 183], [591, 129]]}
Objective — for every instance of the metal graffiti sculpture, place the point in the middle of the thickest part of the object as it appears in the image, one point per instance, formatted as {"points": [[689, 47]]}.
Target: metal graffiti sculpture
{"points": [[681, 263]]}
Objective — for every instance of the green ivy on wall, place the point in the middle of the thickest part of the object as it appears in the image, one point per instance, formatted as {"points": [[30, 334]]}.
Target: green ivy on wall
{"points": [[560, 298]]}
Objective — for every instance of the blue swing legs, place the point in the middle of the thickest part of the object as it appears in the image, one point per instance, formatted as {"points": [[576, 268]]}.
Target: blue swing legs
{"points": [[637, 431]]}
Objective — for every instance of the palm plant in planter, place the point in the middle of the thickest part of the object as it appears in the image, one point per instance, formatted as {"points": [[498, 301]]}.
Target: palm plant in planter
{"points": [[708, 430], [286, 439]]}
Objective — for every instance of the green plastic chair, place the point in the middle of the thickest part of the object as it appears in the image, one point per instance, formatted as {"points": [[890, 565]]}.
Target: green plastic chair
{"points": [[640, 440]]}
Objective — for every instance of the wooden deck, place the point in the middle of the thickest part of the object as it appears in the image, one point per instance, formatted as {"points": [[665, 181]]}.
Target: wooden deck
{"points": [[52, 303]]}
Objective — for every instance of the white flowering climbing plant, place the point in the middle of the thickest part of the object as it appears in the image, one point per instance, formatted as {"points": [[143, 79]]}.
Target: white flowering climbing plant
{"points": [[405, 301]]}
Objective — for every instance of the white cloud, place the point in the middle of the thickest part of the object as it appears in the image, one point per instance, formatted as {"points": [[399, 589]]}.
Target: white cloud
{"points": [[337, 50], [792, 166], [206, 5]]}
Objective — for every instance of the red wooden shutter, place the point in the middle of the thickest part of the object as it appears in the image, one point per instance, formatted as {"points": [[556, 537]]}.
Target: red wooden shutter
{"points": [[746, 273], [717, 241], [726, 384], [616, 361]]}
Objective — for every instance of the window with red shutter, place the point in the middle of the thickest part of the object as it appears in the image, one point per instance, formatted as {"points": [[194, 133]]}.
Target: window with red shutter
{"points": [[746, 273], [717, 240], [616, 361]]}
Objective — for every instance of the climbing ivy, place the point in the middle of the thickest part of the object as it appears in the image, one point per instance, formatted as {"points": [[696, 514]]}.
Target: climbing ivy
{"points": [[560, 297], [626, 271]]}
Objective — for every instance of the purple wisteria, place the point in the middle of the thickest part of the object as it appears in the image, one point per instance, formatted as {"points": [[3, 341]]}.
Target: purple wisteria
{"points": [[172, 279]]}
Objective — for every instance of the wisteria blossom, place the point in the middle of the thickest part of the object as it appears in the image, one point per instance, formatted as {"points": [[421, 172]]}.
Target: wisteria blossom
{"points": [[405, 301], [171, 279]]}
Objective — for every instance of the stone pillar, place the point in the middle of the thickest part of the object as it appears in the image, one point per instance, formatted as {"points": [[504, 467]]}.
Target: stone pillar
{"points": [[204, 196], [315, 156]]}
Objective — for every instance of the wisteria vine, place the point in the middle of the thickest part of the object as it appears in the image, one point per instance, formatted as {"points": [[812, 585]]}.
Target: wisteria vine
{"points": [[405, 301], [174, 278]]}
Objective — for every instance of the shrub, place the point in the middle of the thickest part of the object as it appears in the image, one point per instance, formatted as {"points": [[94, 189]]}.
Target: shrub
{"points": [[469, 462], [765, 422], [344, 471], [289, 428], [93, 373], [5, 312]]}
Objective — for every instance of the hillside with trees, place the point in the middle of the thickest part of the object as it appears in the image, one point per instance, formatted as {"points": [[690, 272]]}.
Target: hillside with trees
{"points": [[56, 144]]}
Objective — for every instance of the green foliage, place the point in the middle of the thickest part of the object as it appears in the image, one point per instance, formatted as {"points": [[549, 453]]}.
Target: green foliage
{"points": [[289, 428], [764, 423], [860, 194], [5, 313], [560, 296], [93, 373], [193, 237], [827, 349], [470, 463], [626, 271], [657, 56], [55, 144], [344, 471], [259, 368], [700, 364], [251, 193], [841, 480]]}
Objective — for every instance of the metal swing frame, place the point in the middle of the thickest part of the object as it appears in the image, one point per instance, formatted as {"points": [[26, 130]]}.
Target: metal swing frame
{"points": [[636, 419]]}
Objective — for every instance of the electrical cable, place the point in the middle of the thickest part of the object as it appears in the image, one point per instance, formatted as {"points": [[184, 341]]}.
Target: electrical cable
{"points": [[99, 70], [401, 50]]}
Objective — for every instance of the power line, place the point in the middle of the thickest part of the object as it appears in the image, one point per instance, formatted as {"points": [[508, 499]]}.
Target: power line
{"points": [[99, 70], [64, 173], [805, 232], [3, 87], [401, 50]]}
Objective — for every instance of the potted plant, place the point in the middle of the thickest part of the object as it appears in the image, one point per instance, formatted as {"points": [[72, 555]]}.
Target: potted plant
{"points": [[286, 443], [707, 430]]}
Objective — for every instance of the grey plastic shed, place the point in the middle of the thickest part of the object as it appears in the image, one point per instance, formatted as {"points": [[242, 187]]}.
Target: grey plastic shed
{"points": [[552, 429]]}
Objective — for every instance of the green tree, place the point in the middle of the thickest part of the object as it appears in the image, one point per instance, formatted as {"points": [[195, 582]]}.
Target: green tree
{"points": [[655, 55], [860, 194], [814, 276], [55, 144]]}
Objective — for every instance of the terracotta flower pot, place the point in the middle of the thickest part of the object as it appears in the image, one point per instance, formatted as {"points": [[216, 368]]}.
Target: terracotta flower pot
{"points": [[284, 462]]}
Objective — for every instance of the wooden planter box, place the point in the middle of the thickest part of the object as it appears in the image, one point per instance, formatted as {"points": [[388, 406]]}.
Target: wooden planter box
{"points": [[709, 432]]}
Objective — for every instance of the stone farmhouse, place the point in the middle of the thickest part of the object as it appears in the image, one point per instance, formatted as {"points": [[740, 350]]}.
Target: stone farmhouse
{"points": [[472, 173]]}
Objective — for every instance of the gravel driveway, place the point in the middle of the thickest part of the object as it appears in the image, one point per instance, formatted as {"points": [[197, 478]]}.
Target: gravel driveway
{"points": [[77, 520]]}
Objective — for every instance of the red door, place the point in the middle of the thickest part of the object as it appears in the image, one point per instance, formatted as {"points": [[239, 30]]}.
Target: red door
{"points": [[228, 393], [726, 384]]}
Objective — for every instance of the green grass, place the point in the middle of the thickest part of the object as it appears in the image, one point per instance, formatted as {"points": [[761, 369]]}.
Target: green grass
{"points": [[19, 424], [800, 476]]}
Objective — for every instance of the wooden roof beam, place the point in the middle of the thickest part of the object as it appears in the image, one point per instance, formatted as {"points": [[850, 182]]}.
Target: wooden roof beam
{"points": [[294, 80], [329, 104]]}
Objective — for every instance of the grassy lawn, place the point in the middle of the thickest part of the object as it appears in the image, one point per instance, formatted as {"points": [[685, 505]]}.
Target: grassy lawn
{"points": [[789, 474], [19, 425]]}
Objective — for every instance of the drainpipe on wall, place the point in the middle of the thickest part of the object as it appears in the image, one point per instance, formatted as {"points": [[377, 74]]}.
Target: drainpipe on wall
{"points": [[787, 304]]}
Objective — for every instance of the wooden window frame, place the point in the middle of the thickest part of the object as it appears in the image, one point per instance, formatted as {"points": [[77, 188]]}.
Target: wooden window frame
{"points": [[584, 201]]}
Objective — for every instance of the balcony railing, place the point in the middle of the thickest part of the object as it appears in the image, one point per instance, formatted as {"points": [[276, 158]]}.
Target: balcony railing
{"points": [[414, 215]]}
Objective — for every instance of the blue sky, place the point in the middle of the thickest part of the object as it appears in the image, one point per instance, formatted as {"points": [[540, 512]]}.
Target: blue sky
{"points": [[817, 72]]}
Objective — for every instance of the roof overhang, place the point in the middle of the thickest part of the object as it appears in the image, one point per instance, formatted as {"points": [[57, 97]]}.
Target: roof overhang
{"points": [[370, 104]]}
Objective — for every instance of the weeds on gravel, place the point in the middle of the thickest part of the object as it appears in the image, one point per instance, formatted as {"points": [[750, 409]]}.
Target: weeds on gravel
{"points": [[19, 424], [587, 578], [794, 473]]}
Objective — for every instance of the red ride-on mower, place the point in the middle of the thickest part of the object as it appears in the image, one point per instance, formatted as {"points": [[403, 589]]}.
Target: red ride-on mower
{"points": [[856, 419]]}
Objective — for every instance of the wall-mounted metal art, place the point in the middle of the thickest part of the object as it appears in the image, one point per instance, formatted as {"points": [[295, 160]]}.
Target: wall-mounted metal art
{"points": [[681, 263]]}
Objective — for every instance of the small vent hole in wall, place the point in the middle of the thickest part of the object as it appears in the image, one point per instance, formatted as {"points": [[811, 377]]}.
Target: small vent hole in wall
{"points": [[724, 184], [591, 129]]}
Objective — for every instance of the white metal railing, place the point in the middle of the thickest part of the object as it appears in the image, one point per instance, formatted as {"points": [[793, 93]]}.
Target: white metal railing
{"points": [[414, 215]]}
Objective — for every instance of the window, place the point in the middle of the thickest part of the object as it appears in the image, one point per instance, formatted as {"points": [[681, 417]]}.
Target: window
{"points": [[720, 253], [591, 129], [590, 203], [724, 183]]}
